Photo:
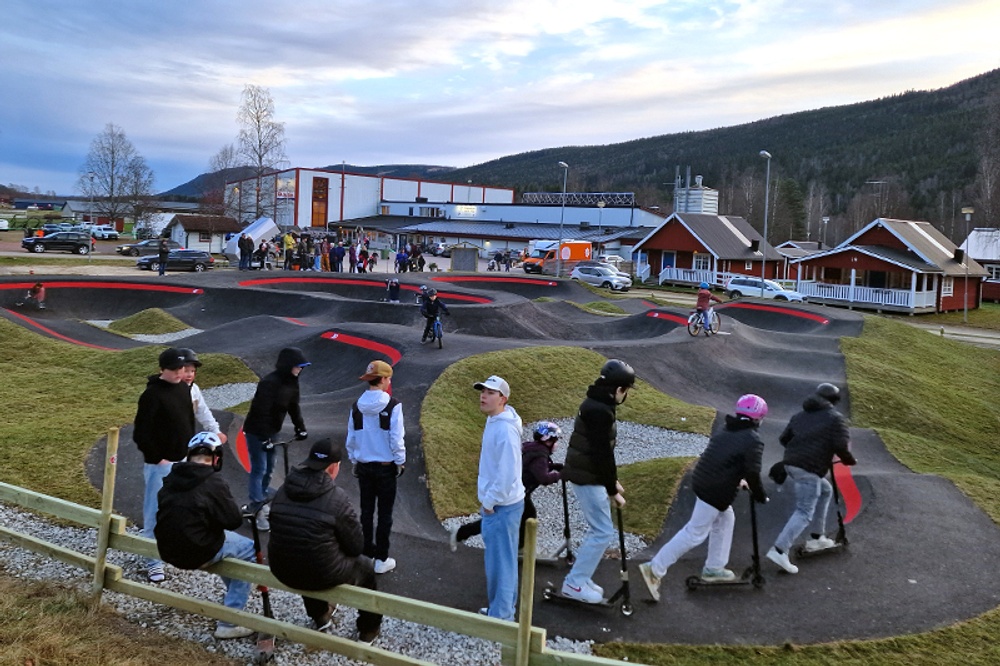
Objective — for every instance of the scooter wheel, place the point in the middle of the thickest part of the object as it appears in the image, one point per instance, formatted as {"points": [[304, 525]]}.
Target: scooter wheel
{"points": [[548, 593], [627, 609], [692, 582], [758, 581], [570, 559]]}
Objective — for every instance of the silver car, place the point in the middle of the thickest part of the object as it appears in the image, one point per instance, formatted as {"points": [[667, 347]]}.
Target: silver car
{"points": [[599, 276], [751, 286]]}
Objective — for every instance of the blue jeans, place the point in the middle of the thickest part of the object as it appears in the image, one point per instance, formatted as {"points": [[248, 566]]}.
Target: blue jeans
{"points": [[153, 475], [811, 492], [595, 505], [261, 467], [500, 539], [237, 547], [162, 260]]}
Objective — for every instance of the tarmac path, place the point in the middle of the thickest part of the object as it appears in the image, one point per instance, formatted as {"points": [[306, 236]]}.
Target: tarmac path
{"points": [[919, 551]]}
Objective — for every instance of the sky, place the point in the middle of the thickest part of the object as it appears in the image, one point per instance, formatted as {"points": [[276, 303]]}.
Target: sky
{"points": [[448, 82]]}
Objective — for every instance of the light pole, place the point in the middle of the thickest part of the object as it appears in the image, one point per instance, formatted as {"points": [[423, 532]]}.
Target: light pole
{"points": [[826, 221], [562, 220], [967, 212], [600, 215], [91, 212], [763, 247]]}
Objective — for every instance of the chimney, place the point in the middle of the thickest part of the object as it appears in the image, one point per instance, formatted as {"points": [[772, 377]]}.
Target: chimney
{"points": [[755, 246], [959, 254]]}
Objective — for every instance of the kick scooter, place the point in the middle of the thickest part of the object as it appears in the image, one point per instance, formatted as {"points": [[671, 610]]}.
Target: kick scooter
{"points": [[566, 549], [265, 642], [751, 575], [552, 593]]}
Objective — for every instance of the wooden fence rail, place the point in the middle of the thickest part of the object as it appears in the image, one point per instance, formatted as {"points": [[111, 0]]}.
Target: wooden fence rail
{"points": [[521, 644]]}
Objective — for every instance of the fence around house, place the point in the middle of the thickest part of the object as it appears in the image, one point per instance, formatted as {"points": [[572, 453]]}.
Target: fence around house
{"points": [[521, 644], [901, 298]]}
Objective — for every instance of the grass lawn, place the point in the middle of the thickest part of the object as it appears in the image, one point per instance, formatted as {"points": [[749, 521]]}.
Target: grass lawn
{"points": [[33, 260], [986, 316], [148, 322]]}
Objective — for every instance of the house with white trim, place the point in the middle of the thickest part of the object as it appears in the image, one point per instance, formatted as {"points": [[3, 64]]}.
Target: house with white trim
{"points": [[983, 245]]}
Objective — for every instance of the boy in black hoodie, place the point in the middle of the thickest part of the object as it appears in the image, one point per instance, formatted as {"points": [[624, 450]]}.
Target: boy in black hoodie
{"points": [[194, 522], [731, 460], [164, 424], [277, 395]]}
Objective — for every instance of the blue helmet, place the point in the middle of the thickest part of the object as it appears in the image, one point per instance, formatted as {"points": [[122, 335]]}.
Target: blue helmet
{"points": [[547, 430], [703, 285]]}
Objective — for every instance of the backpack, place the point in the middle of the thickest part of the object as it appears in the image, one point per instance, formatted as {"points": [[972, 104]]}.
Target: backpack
{"points": [[384, 416]]}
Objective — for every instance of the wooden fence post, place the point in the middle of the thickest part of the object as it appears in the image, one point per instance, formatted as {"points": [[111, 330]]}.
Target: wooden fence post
{"points": [[107, 504], [525, 599]]}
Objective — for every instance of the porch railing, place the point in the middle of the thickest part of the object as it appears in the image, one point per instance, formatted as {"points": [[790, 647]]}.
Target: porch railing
{"points": [[901, 298]]}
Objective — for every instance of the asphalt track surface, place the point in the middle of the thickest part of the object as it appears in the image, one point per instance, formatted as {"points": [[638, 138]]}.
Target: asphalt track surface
{"points": [[921, 555]]}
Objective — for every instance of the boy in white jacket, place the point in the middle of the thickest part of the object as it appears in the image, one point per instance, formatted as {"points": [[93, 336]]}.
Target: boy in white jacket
{"points": [[202, 414], [376, 448], [501, 494]]}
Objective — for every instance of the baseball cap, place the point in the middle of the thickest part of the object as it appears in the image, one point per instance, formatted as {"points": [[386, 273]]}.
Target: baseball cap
{"points": [[172, 359], [494, 383], [375, 370], [324, 453]]}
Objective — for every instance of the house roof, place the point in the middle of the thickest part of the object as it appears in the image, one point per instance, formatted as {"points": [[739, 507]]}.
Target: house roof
{"points": [[805, 246], [983, 244], [725, 236], [926, 242], [210, 223], [515, 231]]}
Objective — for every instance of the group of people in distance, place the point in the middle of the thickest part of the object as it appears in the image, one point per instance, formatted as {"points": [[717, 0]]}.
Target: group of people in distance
{"points": [[318, 541]]}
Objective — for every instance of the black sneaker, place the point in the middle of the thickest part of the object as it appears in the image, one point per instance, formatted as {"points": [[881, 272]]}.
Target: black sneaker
{"points": [[368, 636]]}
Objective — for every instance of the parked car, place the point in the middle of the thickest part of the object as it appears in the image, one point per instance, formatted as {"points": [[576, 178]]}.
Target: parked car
{"points": [[104, 232], [613, 259], [599, 276], [65, 241], [751, 286], [610, 267], [150, 246], [179, 260]]}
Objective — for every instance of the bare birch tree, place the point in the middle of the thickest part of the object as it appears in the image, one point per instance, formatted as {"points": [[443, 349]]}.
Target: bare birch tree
{"points": [[214, 198], [116, 176], [261, 142]]}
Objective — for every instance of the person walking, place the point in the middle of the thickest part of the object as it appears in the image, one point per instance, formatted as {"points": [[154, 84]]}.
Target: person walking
{"points": [[592, 473], [501, 495], [317, 541], [376, 448], [195, 521], [164, 424], [277, 395], [162, 255], [811, 439], [730, 461]]}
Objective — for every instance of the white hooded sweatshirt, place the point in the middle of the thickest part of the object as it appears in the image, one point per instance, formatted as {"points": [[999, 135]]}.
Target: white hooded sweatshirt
{"points": [[371, 443], [500, 460]]}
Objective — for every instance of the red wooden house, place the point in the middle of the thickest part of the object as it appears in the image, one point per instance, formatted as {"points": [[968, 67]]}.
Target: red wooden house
{"points": [[895, 266], [689, 248]]}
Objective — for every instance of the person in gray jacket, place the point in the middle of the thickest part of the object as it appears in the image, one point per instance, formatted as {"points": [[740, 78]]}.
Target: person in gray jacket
{"points": [[811, 439]]}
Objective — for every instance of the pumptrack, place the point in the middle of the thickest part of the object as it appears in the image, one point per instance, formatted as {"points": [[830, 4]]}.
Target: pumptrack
{"points": [[917, 545]]}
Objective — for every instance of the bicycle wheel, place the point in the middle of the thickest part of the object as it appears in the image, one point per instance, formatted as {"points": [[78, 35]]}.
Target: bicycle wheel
{"points": [[694, 324], [438, 332], [716, 323]]}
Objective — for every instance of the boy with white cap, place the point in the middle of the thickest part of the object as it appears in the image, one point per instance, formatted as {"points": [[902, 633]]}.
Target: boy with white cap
{"points": [[501, 494], [376, 448]]}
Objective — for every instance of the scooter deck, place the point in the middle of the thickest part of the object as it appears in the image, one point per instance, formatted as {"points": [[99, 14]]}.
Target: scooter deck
{"points": [[800, 551], [552, 593], [750, 577]]}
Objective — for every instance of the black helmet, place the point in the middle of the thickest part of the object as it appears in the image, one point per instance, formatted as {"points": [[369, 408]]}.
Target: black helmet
{"points": [[828, 392], [617, 373], [432, 292], [190, 357]]}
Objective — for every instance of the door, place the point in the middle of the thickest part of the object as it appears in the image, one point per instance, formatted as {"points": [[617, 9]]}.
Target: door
{"points": [[668, 260]]}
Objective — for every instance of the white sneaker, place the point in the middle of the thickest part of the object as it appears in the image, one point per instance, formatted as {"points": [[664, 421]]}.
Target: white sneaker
{"points": [[651, 579], [821, 543], [596, 588], [264, 519], [227, 631], [781, 559], [385, 566], [585, 593], [715, 575], [453, 538]]}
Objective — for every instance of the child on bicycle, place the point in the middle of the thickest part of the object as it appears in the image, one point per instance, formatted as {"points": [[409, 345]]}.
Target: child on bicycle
{"points": [[702, 307], [431, 307]]}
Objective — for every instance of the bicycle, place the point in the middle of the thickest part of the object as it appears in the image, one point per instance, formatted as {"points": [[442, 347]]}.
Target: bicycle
{"points": [[437, 332], [696, 323]]}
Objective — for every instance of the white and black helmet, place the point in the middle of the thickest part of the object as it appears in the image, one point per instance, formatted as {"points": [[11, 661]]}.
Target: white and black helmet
{"points": [[207, 444]]}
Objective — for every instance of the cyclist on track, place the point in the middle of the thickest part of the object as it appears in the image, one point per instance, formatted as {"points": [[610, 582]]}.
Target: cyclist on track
{"points": [[703, 306], [430, 307]]}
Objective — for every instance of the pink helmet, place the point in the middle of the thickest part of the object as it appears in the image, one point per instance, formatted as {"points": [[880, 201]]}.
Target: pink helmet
{"points": [[751, 406]]}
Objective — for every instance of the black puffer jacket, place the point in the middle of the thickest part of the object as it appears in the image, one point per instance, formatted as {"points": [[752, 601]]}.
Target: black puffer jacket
{"points": [[733, 454], [277, 395], [195, 509], [315, 533], [590, 458], [815, 435], [164, 421]]}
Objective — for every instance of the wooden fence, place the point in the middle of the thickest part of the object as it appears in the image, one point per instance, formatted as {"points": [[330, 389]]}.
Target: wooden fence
{"points": [[521, 643]]}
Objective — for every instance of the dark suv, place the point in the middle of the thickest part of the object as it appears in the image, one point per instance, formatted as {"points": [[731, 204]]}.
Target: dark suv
{"points": [[65, 241]]}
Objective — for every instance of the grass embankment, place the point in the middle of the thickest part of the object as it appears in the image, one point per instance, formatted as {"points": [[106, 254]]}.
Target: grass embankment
{"points": [[47, 624], [605, 308], [987, 316], [546, 383], [33, 260], [934, 403], [153, 321], [61, 398]]}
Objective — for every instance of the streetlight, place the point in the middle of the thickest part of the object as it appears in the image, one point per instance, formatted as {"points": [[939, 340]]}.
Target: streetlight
{"points": [[826, 221], [600, 215], [967, 212], [562, 219], [763, 248], [91, 212]]}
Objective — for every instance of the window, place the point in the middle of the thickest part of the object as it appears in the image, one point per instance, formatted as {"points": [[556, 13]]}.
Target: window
{"points": [[994, 272], [748, 266], [948, 286], [702, 262], [204, 236]]}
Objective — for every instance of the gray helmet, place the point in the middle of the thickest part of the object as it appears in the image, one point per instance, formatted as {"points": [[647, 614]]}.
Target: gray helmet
{"points": [[617, 373], [828, 392]]}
